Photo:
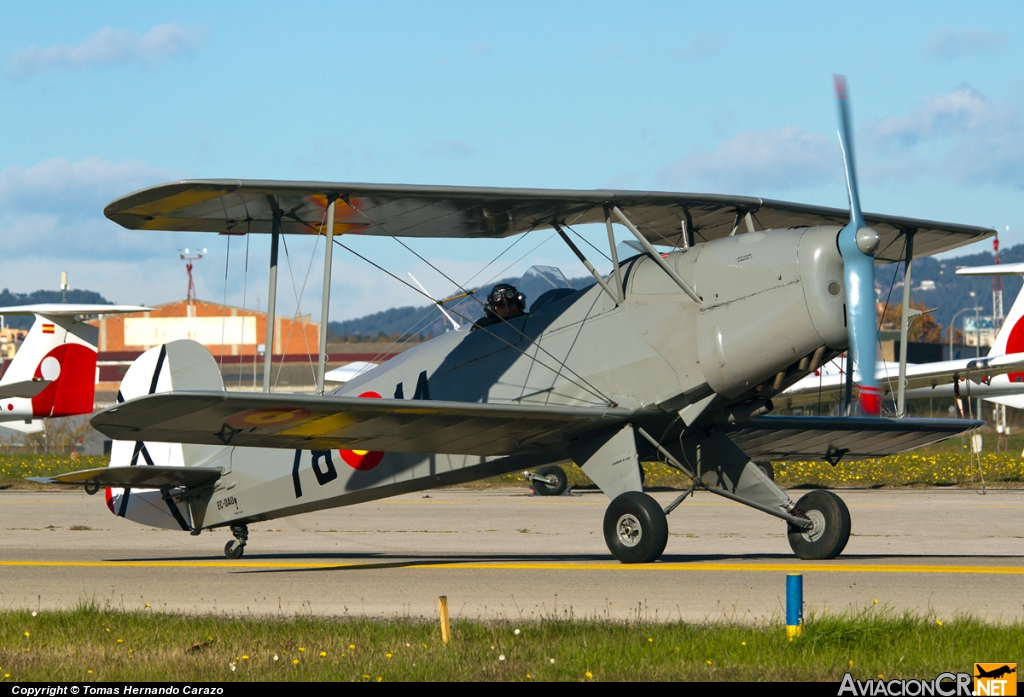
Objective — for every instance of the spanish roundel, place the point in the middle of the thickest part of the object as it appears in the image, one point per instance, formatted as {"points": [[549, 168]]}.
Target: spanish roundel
{"points": [[363, 459]]}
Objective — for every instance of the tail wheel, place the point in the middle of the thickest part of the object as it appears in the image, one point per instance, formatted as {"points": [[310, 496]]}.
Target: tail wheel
{"points": [[234, 549], [830, 529], [556, 481], [635, 528]]}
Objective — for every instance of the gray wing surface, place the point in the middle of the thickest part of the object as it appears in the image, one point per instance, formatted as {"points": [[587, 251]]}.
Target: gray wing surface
{"points": [[776, 438], [321, 423], [244, 206], [146, 477]]}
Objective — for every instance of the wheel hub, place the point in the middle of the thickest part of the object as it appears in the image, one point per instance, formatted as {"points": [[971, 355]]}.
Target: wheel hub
{"points": [[628, 530], [817, 529]]}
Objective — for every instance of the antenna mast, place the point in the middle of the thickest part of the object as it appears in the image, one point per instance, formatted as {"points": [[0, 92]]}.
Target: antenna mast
{"points": [[188, 256]]}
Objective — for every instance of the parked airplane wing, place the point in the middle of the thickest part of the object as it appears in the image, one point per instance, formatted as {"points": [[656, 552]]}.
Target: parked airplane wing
{"points": [[322, 423], [142, 477], [775, 438], [829, 386], [241, 206]]}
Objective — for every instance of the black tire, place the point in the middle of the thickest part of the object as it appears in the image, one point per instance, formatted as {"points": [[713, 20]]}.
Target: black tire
{"points": [[234, 550], [832, 527], [767, 468], [635, 528], [555, 473]]}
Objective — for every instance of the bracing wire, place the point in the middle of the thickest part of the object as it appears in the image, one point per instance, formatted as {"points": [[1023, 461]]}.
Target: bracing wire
{"points": [[224, 305], [245, 287], [586, 386], [298, 308]]}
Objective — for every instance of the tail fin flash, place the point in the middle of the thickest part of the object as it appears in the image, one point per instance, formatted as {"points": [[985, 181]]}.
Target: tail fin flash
{"points": [[178, 365], [1011, 335]]}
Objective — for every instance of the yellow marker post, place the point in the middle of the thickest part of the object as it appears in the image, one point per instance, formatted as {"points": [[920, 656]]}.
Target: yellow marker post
{"points": [[446, 630]]}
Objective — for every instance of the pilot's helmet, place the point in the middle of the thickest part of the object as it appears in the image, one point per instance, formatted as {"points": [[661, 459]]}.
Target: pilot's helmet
{"points": [[504, 291]]}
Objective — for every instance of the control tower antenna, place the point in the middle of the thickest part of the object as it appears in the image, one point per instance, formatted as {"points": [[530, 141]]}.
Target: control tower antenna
{"points": [[188, 256]]}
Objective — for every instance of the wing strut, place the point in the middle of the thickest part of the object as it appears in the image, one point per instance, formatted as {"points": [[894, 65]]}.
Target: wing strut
{"points": [[321, 362], [620, 287], [901, 410], [268, 349], [586, 262], [657, 257]]}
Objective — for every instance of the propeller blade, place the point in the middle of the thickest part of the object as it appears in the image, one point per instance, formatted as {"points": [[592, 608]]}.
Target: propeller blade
{"points": [[857, 245]]}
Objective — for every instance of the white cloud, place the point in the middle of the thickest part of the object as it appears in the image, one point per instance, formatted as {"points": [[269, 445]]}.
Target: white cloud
{"points": [[87, 185], [106, 47], [962, 110], [962, 136], [753, 161], [948, 43]]}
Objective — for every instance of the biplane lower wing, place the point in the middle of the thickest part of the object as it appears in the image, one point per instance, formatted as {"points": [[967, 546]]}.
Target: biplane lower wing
{"points": [[147, 477], [322, 423], [831, 438]]}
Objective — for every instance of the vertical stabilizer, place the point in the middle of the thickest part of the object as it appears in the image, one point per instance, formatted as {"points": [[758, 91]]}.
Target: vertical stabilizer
{"points": [[178, 365]]}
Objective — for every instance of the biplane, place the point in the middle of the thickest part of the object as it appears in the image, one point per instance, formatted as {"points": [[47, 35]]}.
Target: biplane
{"points": [[675, 355]]}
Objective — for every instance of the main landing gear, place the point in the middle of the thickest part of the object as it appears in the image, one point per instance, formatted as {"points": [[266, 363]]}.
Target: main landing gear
{"points": [[830, 526], [635, 528], [236, 547]]}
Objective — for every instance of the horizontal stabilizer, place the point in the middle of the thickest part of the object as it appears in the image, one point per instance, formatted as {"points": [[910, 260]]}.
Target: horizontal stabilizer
{"points": [[71, 309], [143, 477], [23, 388], [24, 427], [776, 438], [320, 423]]}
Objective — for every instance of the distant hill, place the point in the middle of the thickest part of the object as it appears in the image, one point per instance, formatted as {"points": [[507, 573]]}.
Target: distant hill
{"points": [[951, 293], [8, 298]]}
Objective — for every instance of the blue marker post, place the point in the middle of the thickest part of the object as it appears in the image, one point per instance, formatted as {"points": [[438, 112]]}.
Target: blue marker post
{"points": [[794, 605]]}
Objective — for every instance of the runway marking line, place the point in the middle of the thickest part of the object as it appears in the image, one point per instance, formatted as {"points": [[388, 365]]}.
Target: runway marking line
{"points": [[573, 566]]}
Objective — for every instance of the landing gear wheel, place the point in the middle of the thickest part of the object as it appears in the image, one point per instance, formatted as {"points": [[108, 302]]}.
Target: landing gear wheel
{"points": [[767, 468], [830, 532], [555, 474], [233, 549], [635, 528]]}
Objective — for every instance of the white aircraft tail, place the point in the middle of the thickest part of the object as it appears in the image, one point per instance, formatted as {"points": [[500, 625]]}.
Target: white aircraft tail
{"points": [[1011, 335], [178, 365], [54, 371]]}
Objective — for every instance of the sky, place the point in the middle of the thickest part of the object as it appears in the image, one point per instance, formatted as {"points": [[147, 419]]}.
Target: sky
{"points": [[102, 98]]}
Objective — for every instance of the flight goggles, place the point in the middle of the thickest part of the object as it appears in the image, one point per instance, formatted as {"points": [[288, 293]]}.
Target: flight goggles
{"points": [[500, 294]]}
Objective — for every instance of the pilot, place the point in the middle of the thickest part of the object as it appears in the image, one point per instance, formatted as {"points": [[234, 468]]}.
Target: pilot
{"points": [[504, 302]]}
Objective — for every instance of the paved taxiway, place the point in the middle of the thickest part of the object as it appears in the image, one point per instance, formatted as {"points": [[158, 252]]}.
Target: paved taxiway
{"points": [[504, 554]]}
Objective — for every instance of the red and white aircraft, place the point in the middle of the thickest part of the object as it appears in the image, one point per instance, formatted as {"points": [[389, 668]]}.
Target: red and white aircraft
{"points": [[54, 371], [997, 377]]}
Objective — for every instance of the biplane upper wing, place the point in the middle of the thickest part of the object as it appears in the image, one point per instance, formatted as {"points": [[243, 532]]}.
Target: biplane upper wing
{"points": [[776, 438], [309, 422], [828, 387], [244, 206]]}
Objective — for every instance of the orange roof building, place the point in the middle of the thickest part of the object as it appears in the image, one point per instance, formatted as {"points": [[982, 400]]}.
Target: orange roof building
{"points": [[224, 330]]}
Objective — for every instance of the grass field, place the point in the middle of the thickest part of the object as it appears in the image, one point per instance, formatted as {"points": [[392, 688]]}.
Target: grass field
{"points": [[947, 464], [93, 644]]}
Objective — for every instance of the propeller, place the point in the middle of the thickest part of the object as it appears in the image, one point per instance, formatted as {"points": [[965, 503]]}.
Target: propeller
{"points": [[857, 245]]}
